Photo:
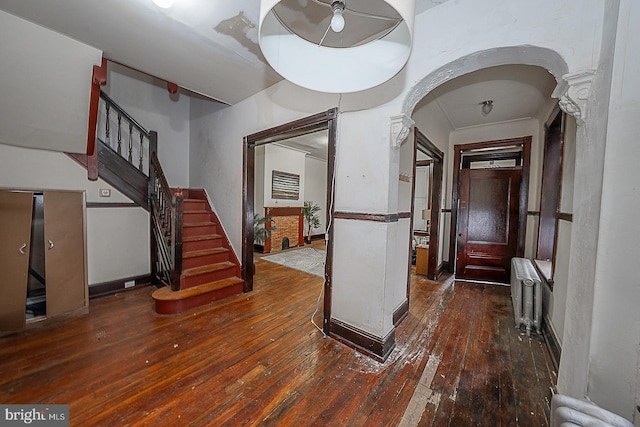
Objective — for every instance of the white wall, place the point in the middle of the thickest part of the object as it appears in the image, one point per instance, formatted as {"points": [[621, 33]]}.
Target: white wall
{"points": [[283, 159], [45, 79], [615, 338], [258, 188], [315, 189], [117, 238], [149, 102]]}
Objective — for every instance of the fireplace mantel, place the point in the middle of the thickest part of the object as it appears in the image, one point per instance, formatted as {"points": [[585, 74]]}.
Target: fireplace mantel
{"points": [[287, 215]]}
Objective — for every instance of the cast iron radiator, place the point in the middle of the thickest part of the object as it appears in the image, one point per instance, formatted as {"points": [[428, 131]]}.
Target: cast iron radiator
{"points": [[569, 412], [526, 294]]}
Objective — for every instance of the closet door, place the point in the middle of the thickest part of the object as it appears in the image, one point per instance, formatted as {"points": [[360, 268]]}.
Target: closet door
{"points": [[64, 251], [15, 237]]}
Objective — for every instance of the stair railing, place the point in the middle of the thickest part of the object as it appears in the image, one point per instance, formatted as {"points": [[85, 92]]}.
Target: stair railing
{"points": [[131, 141], [166, 227], [126, 137]]}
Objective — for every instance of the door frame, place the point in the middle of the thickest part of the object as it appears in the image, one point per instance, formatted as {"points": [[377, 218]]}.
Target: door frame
{"points": [[525, 143], [424, 144], [327, 120]]}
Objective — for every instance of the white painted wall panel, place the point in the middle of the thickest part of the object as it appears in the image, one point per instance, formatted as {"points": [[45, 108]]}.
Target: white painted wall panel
{"points": [[45, 81]]}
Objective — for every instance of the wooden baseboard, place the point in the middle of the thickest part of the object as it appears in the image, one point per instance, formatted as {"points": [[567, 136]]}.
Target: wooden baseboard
{"points": [[114, 286], [374, 347], [400, 313], [444, 266], [553, 345]]}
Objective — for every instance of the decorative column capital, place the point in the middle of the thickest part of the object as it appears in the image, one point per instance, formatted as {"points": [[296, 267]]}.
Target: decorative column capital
{"points": [[400, 127], [573, 92]]}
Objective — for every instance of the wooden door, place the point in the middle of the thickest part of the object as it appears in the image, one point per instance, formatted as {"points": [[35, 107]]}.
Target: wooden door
{"points": [[15, 237], [64, 251], [487, 223]]}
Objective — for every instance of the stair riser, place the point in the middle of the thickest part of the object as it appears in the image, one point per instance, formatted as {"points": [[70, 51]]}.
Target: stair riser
{"points": [[193, 205], [199, 230], [180, 306], [192, 217], [199, 279], [204, 260], [201, 244]]}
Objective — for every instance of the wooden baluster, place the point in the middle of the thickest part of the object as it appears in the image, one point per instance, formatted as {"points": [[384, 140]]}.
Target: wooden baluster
{"points": [[130, 158], [106, 131], [141, 151], [119, 134]]}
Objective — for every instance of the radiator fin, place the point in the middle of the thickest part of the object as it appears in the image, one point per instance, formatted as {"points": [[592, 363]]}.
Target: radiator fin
{"points": [[526, 294]]}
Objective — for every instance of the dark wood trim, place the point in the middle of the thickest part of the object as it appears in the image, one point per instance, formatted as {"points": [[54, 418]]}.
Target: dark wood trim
{"points": [[565, 216], [401, 312], [303, 126], [332, 125], [484, 157], [553, 345], [111, 205], [115, 286], [287, 211], [533, 213], [326, 120], [98, 78], [525, 143], [375, 347], [404, 215], [444, 266], [248, 175], [367, 217]]}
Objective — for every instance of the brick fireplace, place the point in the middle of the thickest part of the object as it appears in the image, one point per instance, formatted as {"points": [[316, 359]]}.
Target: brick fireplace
{"points": [[290, 224]]}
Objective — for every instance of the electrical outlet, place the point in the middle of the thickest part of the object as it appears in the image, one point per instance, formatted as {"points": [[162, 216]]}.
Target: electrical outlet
{"points": [[129, 284], [105, 192]]}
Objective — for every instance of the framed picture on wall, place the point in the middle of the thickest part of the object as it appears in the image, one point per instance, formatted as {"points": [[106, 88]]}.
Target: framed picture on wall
{"points": [[285, 185]]}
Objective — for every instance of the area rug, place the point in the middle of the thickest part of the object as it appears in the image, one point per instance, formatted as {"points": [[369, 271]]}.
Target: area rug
{"points": [[309, 260]]}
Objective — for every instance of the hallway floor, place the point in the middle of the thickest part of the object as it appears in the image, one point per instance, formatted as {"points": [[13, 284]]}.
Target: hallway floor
{"points": [[256, 359]]}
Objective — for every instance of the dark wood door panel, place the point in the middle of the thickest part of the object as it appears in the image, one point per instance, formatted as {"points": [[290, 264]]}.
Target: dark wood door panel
{"points": [[488, 223]]}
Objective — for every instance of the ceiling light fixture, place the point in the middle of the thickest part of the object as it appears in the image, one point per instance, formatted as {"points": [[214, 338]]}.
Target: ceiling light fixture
{"points": [[165, 4], [337, 20], [487, 106], [371, 50]]}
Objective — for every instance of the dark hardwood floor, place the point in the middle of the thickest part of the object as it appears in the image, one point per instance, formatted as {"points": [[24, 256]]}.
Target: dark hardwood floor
{"points": [[256, 359]]}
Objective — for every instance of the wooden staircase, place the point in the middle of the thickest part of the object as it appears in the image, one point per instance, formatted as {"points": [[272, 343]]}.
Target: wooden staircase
{"points": [[210, 269]]}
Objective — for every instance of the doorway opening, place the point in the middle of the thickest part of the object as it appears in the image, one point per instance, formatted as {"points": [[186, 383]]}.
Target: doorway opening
{"points": [[323, 122], [426, 201]]}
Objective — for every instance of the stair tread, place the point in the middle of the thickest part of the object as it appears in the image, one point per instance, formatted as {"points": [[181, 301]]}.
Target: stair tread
{"points": [[201, 252], [207, 268], [165, 293], [201, 237], [196, 212], [198, 224]]}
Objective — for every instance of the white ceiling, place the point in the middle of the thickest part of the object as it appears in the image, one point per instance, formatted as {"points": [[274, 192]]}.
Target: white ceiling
{"points": [[207, 46], [210, 47]]}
